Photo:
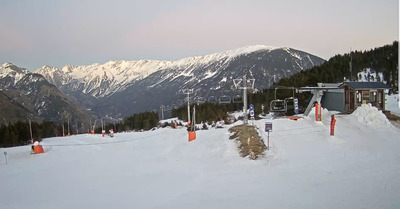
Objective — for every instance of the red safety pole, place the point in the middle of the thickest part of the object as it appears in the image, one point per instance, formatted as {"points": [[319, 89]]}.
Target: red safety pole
{"points": [[333, 122], [320, 112], [316, 111]]}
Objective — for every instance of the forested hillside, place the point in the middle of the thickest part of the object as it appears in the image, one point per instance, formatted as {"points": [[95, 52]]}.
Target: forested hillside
{"points": [[382, 59], [335, 70], [18, 133]]}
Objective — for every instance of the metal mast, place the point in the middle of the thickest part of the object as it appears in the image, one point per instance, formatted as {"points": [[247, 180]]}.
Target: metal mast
{"points": [[351, 70], [247, 84], [162, 111], [188, 92], [30, 130], [245, 99]]}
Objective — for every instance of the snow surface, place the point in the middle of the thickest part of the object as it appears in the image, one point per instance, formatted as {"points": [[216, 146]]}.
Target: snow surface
{"points": [[392, 104], [359, 167], [369, 115]]}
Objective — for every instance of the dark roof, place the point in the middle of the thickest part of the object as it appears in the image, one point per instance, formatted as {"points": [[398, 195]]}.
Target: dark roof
{"points": [[365, 85]]}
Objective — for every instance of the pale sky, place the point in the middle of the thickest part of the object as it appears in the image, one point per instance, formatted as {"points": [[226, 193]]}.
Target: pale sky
{"points": [[34, 33]]}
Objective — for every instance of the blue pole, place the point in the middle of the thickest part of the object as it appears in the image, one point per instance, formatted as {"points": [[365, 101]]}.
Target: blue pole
{"points": [[5, 155]]}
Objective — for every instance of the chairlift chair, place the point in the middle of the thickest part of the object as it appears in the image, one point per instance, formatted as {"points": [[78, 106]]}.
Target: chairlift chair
{"points": [[200, 100], [278, 105], [291, 105], [212, 99], [168, 108], [224, 99], [237, 99]]}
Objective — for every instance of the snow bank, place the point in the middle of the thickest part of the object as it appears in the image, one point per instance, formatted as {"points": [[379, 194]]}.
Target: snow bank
{"points": [[393, 104], [237, 114], [169, 120], [369, 115], [326, 115]]}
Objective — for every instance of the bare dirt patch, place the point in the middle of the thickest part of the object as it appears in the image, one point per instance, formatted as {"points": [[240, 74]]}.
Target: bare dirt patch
{"points": [[391, 116], [394, 119], [250, 143]]}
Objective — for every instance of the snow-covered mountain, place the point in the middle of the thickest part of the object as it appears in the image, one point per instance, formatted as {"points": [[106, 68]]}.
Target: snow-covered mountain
{"points": [[127, 87], [11, 74], [103, 80], [30, 95], [100, 80]]}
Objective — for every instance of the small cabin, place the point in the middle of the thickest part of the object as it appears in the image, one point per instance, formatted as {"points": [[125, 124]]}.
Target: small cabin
{"points": [[357, 93]]}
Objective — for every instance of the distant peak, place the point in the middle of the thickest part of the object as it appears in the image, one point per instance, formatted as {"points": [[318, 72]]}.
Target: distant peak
{"points": [[7, 64], [251, 49], [47, 67]]}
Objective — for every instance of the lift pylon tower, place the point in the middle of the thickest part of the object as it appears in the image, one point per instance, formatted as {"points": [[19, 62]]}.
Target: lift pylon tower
{"points": [[244, 84], [188, 92]]}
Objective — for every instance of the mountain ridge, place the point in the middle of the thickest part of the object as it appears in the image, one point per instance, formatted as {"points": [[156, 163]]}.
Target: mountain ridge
{"points": [[103, 80], [122, 88], [27, 95]]}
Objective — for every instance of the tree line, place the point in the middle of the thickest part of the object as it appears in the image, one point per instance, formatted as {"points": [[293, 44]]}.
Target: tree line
{"points": [[205, 112], [136, 122], [18, 133]]}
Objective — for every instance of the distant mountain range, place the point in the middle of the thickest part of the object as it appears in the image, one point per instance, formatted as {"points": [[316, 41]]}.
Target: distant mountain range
{"points": [[26, 95], [120, 88]]}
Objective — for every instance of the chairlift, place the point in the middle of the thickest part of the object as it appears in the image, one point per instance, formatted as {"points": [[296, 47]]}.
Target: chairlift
{"points": [[212, 99], [289, 103], [200, 100], [168, 108], [237, 99], [292, 107], [224, 99], [278, 105]]}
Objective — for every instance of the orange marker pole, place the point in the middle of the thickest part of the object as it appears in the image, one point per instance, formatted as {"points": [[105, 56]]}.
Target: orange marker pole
{"points": [[320, 112], [333, 122]]}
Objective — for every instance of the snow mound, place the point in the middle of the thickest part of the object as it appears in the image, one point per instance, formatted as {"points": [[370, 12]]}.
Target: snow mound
{"points": [[369, 115], [326, 115]]}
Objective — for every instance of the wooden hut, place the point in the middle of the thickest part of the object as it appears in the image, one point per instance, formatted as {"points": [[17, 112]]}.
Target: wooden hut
{"points": [[357, 93]]}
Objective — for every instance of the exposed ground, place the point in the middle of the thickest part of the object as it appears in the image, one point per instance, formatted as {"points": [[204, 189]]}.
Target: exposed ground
{"points": [[394, 119], [250, 143]]}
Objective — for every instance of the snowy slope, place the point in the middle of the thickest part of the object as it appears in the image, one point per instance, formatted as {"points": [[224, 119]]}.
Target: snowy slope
{"points": [[305, 168]]}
